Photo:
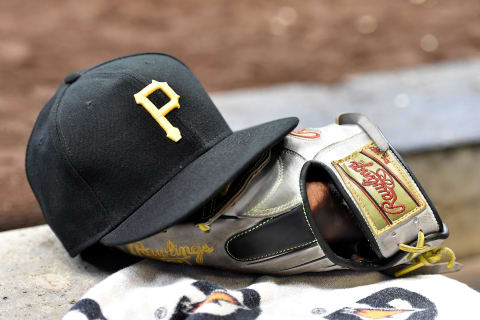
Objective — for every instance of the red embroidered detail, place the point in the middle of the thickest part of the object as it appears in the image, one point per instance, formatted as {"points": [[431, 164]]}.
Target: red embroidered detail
{"points": [[369, 197], [305, 133], [382, 182], [396, 178], [377, 151]]}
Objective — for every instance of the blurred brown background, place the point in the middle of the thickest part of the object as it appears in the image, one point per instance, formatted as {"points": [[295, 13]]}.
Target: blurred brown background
{"points": [[228, 44]]}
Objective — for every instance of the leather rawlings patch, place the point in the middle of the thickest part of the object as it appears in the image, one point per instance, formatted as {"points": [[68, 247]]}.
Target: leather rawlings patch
{"points": [[381, 187]]}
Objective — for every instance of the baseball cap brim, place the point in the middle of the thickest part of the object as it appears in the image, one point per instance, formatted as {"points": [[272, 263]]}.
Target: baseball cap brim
{"points": [[199, 181]]}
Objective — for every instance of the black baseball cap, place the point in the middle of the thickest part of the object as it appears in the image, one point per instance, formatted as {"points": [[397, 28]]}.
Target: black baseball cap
{"points": [[132, 146]]}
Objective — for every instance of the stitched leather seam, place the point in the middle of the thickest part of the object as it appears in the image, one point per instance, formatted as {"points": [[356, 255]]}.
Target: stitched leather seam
{"points": [[306, 219], [294, 153], [257, 168], [266, 255], [274, 253], [306, 264], [308, 222], [272, 191], [269, 211]]}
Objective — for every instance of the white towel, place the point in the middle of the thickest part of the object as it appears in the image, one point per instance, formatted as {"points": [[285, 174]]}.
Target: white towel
{"points": [[156, 290]]}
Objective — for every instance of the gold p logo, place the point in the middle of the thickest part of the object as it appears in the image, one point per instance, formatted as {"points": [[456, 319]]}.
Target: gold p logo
{"points": [[159, 114]]}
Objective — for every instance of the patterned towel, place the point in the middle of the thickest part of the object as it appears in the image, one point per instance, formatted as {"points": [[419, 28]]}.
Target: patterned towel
{"points": [[156, 290]]}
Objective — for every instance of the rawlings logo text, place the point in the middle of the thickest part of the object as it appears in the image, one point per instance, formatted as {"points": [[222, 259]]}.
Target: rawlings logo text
{"points": [[171, 252], [382, 182], [381, 187]]}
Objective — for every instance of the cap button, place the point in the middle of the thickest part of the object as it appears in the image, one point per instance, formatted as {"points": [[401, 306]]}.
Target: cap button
{"points": [[72, 77]]}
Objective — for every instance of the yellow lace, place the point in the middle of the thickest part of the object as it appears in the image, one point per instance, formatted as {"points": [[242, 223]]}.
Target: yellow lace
{"points": [[422, 255], [203, 227]]}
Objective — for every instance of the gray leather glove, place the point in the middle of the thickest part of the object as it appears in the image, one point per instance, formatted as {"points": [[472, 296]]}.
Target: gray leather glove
{"points": [[376, 217]]}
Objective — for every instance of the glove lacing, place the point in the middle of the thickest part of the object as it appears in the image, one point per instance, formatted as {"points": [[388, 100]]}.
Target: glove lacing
{"points": [[423, 255]]}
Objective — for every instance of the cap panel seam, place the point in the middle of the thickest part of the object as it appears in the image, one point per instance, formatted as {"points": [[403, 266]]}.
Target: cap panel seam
{"points": [[59, 134], [130, 56], [27, 152]]}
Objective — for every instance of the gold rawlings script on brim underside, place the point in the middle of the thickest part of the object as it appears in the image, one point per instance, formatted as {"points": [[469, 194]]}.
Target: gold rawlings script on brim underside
{"points": [[171, 252]]}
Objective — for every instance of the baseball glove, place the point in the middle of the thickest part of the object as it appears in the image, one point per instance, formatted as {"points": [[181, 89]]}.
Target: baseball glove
{"points": [[336, 197]]}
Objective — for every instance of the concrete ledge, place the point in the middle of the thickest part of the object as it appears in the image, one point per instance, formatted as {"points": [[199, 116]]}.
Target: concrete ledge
{"points": [[38, 280]]}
